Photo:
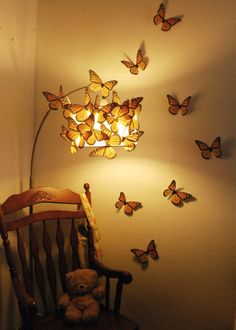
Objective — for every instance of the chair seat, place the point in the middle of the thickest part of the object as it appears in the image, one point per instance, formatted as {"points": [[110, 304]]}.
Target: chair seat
{"points": [[107, 320]]}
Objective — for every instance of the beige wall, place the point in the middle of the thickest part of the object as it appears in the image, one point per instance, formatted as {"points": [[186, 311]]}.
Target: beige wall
{"points": [[17, 40], [192, 286]]}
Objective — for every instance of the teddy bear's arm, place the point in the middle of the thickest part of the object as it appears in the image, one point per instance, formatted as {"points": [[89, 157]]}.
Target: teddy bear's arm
{"points": [[64, 301], [98, 292]]}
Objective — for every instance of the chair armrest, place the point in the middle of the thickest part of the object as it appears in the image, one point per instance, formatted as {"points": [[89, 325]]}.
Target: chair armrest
{"points": [[23, 297], [124, 276]]}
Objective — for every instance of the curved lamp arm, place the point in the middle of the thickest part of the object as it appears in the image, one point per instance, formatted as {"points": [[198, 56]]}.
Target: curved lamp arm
{"points": [[39, 130], [34, 146]]}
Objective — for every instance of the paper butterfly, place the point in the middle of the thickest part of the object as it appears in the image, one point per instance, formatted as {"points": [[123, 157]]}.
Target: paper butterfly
{"points": [[176, 197], [129, 207], [106, 151], [97, 84], [54, 101], [114, 140], [175, 107], [141, 63], [166, 24], [213, 149], [142, 256]]}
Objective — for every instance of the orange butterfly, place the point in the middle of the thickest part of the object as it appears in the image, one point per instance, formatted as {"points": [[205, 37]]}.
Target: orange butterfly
{"points": [[106, 151], [142, 256], [214, 149], [82, 111], [175, 106], [131, 140], [97, 84], [129, 207], [177, 197], [54, 101], [166, 24], [141, 63]]}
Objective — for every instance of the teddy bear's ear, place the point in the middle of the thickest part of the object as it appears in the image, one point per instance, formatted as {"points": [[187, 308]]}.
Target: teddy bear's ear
{"points": [[94, 273], [69, 276]]}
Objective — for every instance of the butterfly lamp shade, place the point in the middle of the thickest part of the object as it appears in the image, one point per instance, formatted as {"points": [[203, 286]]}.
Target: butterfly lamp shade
{"points": [[101, 123], [98, 122]]}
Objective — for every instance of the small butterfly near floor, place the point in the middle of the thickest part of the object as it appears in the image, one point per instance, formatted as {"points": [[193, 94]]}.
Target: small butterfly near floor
{"points": [[97, 84], [166, 24], [177, 197], [214, 149], [142, 256], [141, 63], [175, 106], [129, 207]]}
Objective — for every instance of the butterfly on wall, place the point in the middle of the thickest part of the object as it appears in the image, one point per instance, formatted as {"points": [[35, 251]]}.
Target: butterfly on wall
{"points": [[55, 101], [141, 63], [177, 197], [97, 84], [166, 24], [142, 256], [129, 207], [207, 151], [175, 106]]}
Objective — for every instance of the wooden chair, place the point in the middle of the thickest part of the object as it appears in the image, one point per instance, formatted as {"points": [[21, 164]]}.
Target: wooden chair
{"points": [[38, 269]]}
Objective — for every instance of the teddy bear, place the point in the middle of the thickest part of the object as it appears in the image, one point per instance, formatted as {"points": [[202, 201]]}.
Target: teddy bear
{"points": [[81, 301]]}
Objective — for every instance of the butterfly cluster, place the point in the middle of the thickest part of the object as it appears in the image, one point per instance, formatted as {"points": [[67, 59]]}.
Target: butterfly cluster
{"points": [[89, 124]]}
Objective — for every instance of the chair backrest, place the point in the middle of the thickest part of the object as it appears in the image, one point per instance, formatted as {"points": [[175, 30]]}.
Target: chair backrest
{"points": [[32, 261]]}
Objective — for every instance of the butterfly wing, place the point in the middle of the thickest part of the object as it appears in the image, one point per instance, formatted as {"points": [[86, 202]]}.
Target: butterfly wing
{"points": [[175, 199], [160, 16], [174, 105], [151, 250], [168, 23], [140, 255], [133, 68], [205, 149], [179, 197], [184, 105], [106, 151], [183, 195], [130, 206], [171, 189], [216, 147], [121, 201], [140, 60], [54, 101], [107, 86], [96, 82]]}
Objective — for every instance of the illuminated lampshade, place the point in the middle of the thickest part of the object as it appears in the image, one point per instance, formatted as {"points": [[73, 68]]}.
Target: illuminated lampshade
{"points": [[102, 124]]}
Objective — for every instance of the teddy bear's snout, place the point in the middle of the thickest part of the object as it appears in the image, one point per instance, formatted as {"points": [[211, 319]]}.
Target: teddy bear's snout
{"points": [[81, 286]]}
